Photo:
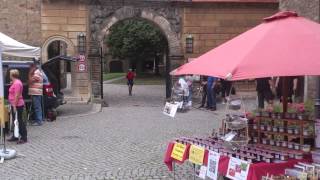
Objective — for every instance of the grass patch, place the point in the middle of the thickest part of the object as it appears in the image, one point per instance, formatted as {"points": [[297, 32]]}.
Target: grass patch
{"points": [[144, 79], [110, 76]]}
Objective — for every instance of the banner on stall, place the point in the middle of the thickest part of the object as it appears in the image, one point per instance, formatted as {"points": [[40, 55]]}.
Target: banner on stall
{"points": [[213, 164], [170, 109], [178, 151], [238, 169], [196, 154]]}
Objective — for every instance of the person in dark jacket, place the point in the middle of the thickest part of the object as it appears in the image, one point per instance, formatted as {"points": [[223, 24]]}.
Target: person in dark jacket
{"points": [[264, 86]]}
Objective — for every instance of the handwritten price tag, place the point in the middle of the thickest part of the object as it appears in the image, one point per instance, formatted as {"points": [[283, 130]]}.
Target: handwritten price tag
{"points": [[196, 155], [178, 151]]}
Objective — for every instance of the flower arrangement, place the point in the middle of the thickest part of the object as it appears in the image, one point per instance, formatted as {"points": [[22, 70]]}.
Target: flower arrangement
{"points": [[300, 108]]}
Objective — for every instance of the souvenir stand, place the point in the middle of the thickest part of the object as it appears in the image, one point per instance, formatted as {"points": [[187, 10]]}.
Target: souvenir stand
{"points": [[280, 141], [10, 47]]}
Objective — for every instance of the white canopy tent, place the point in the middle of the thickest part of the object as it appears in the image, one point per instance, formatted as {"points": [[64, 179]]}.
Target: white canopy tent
{"points": [[11, 47]]}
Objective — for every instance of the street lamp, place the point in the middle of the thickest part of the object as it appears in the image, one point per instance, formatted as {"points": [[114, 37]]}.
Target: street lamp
{"points": [[82, 43], [189, 44]]}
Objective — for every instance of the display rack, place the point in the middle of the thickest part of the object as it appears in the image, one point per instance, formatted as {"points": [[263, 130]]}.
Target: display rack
{"points": [[264, 130], [235, 122]]}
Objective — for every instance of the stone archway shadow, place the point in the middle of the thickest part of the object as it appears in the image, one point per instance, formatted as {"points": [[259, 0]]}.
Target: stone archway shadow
{"points": [[161, 22]]}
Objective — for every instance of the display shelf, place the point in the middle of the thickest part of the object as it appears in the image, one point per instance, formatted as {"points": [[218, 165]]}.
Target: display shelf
{"points": [[277, 148], [286, 134], [285, 124], [286, 119]]}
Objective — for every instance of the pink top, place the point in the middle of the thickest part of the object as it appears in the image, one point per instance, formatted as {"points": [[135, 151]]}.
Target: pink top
{"points": [[15, 88]]}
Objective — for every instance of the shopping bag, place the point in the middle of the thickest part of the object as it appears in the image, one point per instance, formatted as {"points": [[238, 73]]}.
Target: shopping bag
{"points": [[16, 127]]}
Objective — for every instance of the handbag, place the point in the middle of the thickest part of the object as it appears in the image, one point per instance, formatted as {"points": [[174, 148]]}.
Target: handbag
{"points": [[16, 126]]}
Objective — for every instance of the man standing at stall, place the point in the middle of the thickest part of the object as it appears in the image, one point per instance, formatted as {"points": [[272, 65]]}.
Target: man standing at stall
{"points": [[264, 91], [211, 94], [35, 81]]}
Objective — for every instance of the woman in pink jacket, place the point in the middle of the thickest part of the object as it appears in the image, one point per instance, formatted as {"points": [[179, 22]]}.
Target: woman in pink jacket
{"points": [[17, 105]]}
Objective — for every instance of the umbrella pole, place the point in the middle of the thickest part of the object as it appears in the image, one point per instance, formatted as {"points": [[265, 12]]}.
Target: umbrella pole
{"points": [[285, 82]]}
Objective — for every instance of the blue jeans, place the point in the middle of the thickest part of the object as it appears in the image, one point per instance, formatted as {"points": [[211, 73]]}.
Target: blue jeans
{"points": [[211, 98], [190, 94], [37, 106]]}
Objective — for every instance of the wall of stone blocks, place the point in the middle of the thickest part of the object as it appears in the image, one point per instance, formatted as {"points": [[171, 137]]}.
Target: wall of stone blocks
{"points": [[309, 9], [213, 24], [67, 19], [20, 19]]}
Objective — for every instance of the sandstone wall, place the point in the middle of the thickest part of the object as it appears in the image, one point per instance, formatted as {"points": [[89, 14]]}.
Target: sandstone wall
{"points": [[65, 20], [210, 25], [20, 19]]}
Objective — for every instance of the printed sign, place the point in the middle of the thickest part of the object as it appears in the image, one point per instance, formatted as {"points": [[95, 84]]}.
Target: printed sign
{"points": [[213, 164], [203, 172], [196, 154], [82, 58], [170, 109], [82, 67], [238, 169], [178, 151]]}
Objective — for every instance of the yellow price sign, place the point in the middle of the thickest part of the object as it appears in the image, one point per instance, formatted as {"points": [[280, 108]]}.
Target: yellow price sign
{"points": [[178, 151], [196, 154]]}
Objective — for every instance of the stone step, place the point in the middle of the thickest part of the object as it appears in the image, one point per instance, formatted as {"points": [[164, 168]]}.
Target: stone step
{"points": [[75, 100]]}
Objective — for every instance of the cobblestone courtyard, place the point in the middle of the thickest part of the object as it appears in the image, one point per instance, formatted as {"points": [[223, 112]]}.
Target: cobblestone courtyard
{"points": [[127, 140]]}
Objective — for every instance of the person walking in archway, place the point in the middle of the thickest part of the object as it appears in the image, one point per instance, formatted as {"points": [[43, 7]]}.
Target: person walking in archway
{"points": [[130, 77]]}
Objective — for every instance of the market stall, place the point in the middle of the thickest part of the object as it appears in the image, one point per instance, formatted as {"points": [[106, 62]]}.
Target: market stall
{"points": [[10, 47], [283, 45]]}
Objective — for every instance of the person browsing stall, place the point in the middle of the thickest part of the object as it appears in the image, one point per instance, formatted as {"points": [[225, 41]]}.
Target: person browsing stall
{"points": [[17, 104], [211, 94], [36, 92]]}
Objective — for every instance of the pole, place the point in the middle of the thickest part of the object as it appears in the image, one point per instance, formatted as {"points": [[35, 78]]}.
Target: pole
{"points": [[285, 82], [317, 114], [101, 77]]}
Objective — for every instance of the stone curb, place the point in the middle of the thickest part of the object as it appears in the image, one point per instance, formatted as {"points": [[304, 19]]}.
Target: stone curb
{"points": [[96, 108]]}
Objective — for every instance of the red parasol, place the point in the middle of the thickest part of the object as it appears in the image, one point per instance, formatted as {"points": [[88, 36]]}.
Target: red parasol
{"points": [[283, 45]]}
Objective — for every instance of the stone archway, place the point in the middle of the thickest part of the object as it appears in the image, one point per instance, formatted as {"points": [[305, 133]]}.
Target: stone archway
{"points": [[47, 42], [161, 22], [167, 18]]}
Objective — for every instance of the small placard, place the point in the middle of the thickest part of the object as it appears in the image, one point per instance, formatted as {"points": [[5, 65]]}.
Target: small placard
{"points": [[178, 151], [203, 172], [238, 169], [213, 164], [170, 109], [196, 154]]}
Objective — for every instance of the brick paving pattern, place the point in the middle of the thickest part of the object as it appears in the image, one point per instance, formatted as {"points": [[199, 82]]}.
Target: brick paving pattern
{"points": [[127, 140]]}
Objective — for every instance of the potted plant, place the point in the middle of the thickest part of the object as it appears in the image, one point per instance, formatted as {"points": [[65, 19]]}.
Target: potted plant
{"points": [[277, 109], [291, 112], [308, 129], [296, 130], [271, 142], [267, 112], [300, 110], [281, 129], [309, 109]]}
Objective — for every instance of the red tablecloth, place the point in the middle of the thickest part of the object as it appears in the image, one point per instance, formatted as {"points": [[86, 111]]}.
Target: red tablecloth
{"points": [[256, 171]]}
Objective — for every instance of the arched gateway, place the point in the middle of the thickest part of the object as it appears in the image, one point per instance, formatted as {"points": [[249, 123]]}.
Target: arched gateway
{"points": [[103, 17]]}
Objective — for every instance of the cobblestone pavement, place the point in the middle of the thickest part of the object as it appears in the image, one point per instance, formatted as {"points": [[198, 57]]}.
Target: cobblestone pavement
{"points": [[127, 140]]}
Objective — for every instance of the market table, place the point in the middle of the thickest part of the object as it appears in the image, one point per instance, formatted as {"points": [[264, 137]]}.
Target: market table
{"points": [[256, 170]]}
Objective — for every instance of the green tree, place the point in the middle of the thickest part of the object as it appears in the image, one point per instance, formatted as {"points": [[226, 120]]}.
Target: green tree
{"points": [[135, 40]]}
